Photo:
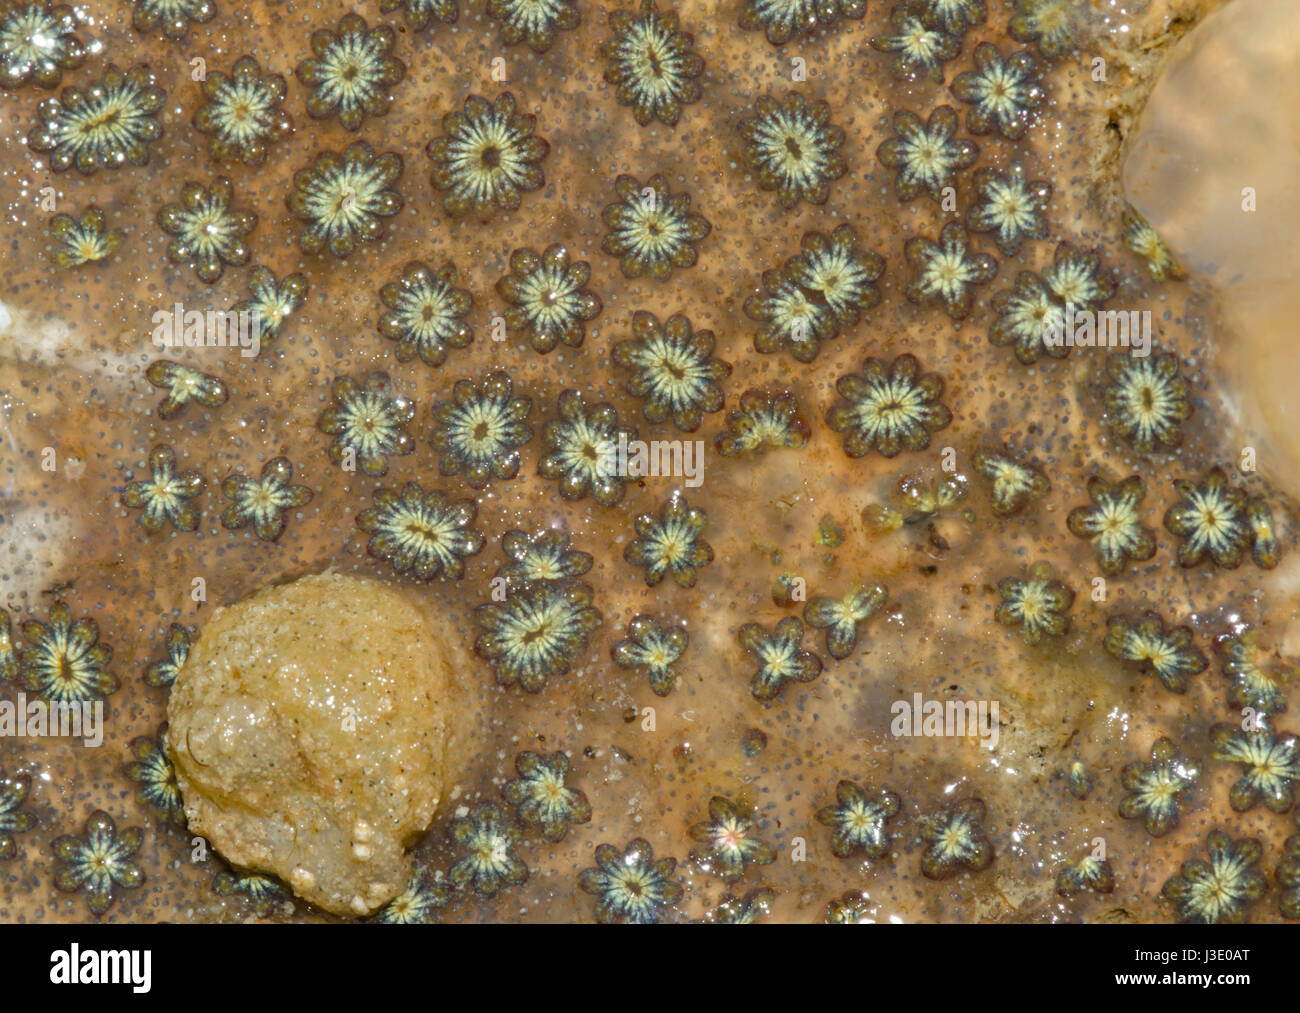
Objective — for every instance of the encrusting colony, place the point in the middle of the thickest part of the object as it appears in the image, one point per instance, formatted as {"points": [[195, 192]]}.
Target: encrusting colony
{"points": [[961, 154]]}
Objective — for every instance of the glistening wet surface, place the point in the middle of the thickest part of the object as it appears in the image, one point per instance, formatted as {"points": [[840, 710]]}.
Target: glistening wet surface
{"points": [[786, 525]]}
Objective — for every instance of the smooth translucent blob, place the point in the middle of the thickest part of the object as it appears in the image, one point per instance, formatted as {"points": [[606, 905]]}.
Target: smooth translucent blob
{"points": [[314, 731], [1220, 134]]}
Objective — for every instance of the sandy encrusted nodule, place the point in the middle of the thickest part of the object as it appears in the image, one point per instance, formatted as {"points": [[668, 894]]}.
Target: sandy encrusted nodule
{"points": [[312, 733]]}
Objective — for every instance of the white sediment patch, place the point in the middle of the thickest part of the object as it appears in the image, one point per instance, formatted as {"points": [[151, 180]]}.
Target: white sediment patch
{"points": [[39, 537], [53, 341]]}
